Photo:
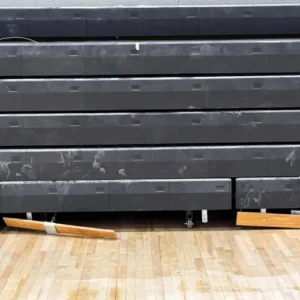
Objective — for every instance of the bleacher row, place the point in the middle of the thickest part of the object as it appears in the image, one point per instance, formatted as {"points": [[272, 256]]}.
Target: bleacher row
{"points": [[123, 106]]}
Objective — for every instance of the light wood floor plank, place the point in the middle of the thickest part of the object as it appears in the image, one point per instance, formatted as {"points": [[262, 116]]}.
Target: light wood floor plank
{"points": [[152, 263]]}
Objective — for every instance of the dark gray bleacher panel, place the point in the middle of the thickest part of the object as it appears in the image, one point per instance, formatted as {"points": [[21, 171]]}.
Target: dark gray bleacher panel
{"points": [[11, 130], [51, 59], [197, 57], [171, 21], [20, 197], [170, 195], [150, 57], [11, 96], [149, 128], [230, 127], [88, 164], [212, 194], [10, 59], [13, 165], [47, 196], [146, 94], [190, 57], [116, 195], [147, 18], [272, 20], [124, 94], [49, 130], [98, 129], [141, 195], [149, 163], [252, 92], [277, 192], [85, 196], [251, 56], [18, 95], [141, 163], [52, 95], [283, 160], [108, 22], [14, 22], [227, 20], [222, 127], [57, 22], [201, 162], [101, 94]]}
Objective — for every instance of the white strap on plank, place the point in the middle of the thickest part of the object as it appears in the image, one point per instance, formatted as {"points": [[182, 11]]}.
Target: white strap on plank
{"points": [[50, 228]]}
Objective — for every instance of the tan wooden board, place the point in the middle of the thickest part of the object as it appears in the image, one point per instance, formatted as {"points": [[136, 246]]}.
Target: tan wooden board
{"points": [[267, 220], [61, 228]]}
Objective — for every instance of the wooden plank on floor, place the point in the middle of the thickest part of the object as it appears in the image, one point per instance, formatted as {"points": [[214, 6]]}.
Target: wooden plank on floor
{"points": [[267, 220], [61, 228]]}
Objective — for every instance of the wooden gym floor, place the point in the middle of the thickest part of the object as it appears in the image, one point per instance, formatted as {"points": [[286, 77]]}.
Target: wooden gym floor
{"points": [[152, 260]]}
